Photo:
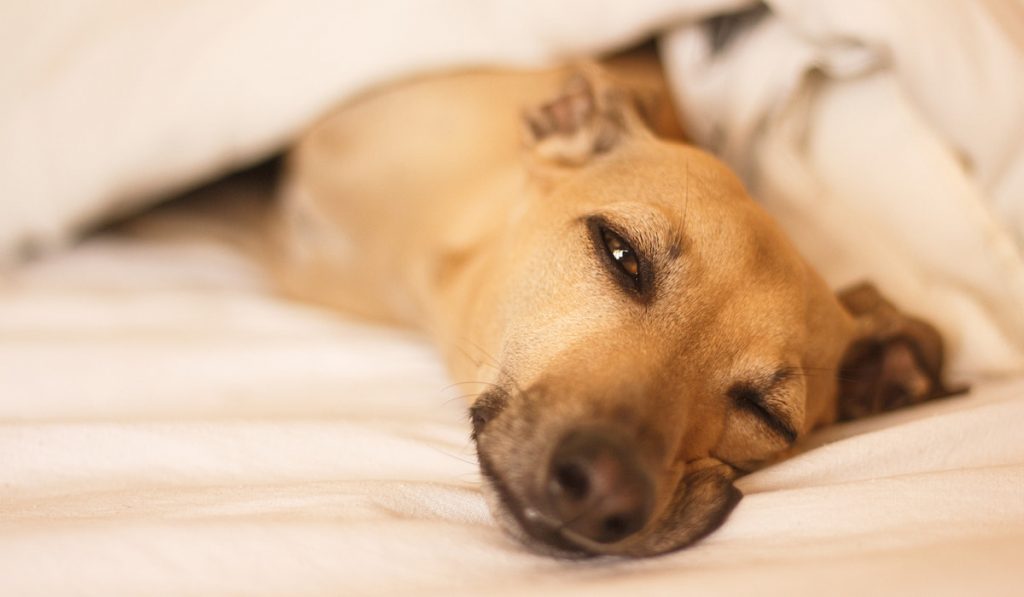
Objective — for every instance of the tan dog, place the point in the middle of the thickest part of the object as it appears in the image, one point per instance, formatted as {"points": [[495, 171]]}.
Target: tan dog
{"points": [[640, 330]]}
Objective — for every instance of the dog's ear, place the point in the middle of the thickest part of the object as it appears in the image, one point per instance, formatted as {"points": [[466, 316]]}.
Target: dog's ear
{"points": [[590, 115], [895, 360]]}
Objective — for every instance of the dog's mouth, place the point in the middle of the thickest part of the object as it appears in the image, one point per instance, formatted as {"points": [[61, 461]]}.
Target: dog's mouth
{"points": [[527, 523], [701, 503], [597, 484]]}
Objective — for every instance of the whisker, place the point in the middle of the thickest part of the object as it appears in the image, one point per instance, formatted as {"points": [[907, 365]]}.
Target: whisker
{"points": [[684, 209], [455, 456], [465, 353], [493, 361], [466, 383], [686, 197], [816, 374], [461, 397], [495, 364]]}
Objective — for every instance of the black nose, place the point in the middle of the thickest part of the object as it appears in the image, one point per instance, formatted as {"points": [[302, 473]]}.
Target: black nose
{"points": [[597, 487]]}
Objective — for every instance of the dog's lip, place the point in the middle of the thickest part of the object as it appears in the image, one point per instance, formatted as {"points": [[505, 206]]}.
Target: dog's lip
{"points": [[588, 546], [534, 524]]}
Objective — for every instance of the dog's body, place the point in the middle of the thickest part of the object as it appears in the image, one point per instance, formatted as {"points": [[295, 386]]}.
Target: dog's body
{"points": [[640, 331]]}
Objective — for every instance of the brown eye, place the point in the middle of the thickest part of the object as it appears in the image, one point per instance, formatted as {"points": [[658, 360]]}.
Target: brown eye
{"points": [[627, 266], [622, 254]]}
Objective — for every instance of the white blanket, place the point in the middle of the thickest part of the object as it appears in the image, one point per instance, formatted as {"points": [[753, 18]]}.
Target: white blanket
{"points": [[886, 135], [170, 428], [167, 426], [888, 138]]}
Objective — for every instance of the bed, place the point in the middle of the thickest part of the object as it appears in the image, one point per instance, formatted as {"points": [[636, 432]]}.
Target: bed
{"points": [[169, 425]]}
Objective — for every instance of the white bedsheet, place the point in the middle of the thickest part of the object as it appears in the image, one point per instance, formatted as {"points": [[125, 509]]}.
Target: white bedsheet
{"points": [[167, 426]]}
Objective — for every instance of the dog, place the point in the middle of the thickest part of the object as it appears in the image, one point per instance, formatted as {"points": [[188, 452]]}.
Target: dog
{"points": [[637, 330]]}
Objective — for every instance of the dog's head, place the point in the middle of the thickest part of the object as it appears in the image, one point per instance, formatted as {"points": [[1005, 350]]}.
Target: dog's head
{"points": [[654, 335]]}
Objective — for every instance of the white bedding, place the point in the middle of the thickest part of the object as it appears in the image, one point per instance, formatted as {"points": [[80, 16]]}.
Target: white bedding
{"points": [[169, 427], [896, 120]]}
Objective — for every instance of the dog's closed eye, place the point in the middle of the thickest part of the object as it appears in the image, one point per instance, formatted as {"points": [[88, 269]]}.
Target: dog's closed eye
{"points": [[750, 398]]}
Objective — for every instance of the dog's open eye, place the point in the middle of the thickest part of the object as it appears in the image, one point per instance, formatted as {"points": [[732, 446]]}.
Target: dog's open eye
{"points": [[623, 254], [619, 256]]}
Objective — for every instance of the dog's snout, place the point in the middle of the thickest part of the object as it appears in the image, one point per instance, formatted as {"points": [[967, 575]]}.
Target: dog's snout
{"points": [[597, 487]]}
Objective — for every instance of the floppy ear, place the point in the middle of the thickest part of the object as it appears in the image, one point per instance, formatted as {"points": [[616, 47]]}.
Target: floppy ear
{"points": [[895, 360], [589, 116]]}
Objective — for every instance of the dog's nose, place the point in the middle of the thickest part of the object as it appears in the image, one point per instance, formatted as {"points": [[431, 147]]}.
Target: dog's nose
{"points": [[597, 487]]}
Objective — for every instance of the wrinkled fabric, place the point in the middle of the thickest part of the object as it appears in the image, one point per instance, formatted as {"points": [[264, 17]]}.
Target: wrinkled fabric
{"points": [[886, 136], [167, 426], [109, 105], [888, 139]]}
